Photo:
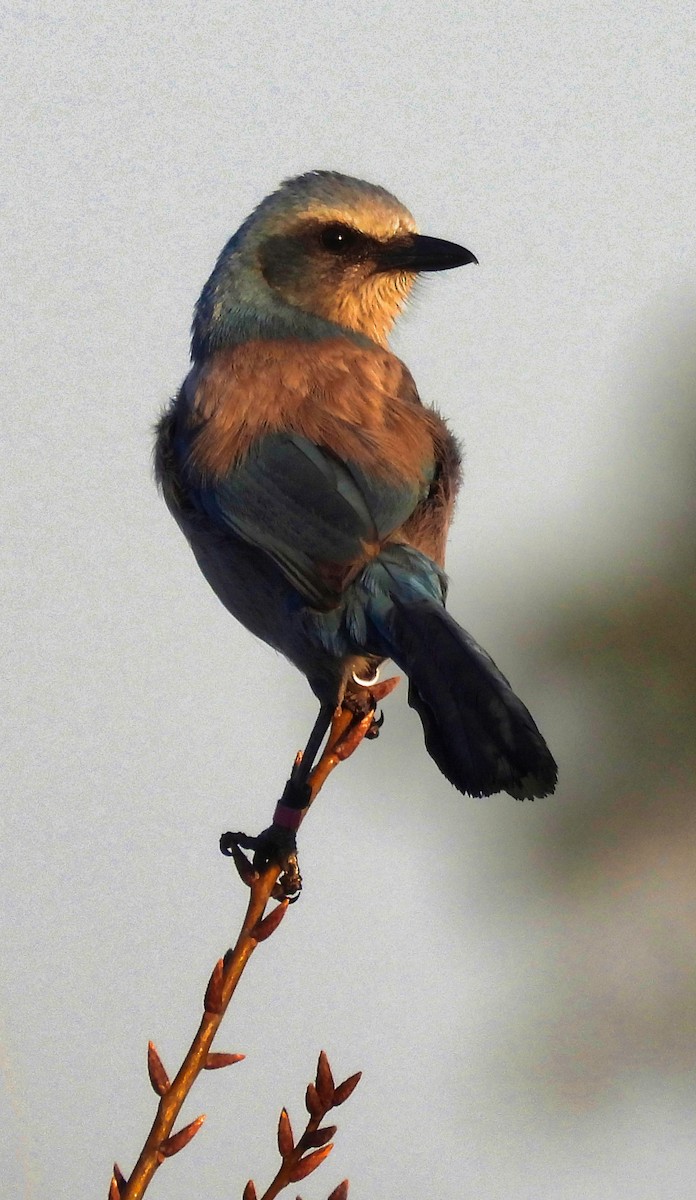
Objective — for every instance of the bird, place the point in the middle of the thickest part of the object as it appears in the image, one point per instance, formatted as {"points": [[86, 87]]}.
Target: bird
{"points": [[316, 489]]}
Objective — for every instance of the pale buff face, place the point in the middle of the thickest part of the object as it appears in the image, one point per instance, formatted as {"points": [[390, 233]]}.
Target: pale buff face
{"points": [[294, 246]]}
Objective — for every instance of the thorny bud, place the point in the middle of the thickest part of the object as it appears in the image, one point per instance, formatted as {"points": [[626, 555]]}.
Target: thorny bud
{"points": [[249, 1192], [286, 1141], [381, 690], [263, 929], [313, 1104], [325, 1081], [346, 1089], [352, 739], [117, 1187], [309, 1163], [155, 1069], [340, 1192], [172, 1145], [215, 1060], [318, 1137], [213, 993]]}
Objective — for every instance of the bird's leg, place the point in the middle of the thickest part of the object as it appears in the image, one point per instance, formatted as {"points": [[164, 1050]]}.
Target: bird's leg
{"points": [[296, 794], [352, 721], [277, 843]]}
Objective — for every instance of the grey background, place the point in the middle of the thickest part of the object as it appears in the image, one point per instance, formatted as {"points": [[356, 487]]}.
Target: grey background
{"points": [[516, 981]]}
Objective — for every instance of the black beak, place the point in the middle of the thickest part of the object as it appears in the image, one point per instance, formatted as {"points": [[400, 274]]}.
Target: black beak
{"points": [[418, 253]]}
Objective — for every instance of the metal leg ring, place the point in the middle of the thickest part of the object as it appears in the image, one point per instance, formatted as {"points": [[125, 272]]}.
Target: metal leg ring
{"points": [[366, 682]]}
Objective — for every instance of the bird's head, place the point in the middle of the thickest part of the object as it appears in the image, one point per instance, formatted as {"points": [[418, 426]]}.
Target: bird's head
{"points": [[323, 246]]}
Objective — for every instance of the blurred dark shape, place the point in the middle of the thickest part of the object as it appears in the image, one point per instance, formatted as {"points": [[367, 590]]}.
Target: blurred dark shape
{"points": [[632, 643], [620, 849]]}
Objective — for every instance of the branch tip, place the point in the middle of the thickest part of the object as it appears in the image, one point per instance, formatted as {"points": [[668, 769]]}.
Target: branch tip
{"points": [[340, 1192], [249, 1192], [286, 1140], [346, 1089], [325, 1081]]}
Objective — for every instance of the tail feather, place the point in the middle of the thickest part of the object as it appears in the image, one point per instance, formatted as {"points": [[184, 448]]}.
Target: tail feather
{"points": [[476, 729]]}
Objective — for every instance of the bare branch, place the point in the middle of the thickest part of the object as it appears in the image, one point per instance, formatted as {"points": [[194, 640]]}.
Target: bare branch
{"points": [[347, 731]]}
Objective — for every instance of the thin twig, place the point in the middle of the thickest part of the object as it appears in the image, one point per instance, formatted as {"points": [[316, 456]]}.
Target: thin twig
{"points": [[347, 731], [223, 989], [302, 1158]]}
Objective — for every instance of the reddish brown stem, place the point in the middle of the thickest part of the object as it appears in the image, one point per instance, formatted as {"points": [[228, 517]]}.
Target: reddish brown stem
{"points": [[347, 731], [170, 1105], [302, 1158]]}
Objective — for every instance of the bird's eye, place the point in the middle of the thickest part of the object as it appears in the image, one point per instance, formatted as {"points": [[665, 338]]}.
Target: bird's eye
{"points": [[338, 238]]}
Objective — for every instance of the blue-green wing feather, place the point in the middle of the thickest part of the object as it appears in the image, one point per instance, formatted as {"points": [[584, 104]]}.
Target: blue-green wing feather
{"points": [[307, 509]]}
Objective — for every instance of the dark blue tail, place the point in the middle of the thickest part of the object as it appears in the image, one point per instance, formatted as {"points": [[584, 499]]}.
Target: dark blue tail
{"points": [[476, 729]]}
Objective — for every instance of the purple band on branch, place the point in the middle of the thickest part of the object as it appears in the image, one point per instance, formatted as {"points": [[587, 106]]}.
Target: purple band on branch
{"points": [[288, 818]]}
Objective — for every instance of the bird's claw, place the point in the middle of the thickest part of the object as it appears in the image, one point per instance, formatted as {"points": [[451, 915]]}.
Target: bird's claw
{"points": [[232, 845], [377, 723], [289, 883], [275, 846], [361, 702]]}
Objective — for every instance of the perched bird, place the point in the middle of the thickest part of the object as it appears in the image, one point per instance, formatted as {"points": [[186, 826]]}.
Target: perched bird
{"points": [[314, 487]]}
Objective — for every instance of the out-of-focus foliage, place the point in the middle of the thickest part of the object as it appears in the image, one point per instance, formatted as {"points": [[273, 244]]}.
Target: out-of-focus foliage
{"points": [[619, 854]]}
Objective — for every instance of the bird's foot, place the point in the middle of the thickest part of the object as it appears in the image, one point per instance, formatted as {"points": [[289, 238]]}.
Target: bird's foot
{"points": [[275, 846], [377, 722], [354, 720], [362, 699]]}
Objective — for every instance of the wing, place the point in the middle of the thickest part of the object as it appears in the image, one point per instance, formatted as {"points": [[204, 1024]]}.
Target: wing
{"points": [[320, 518]]}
